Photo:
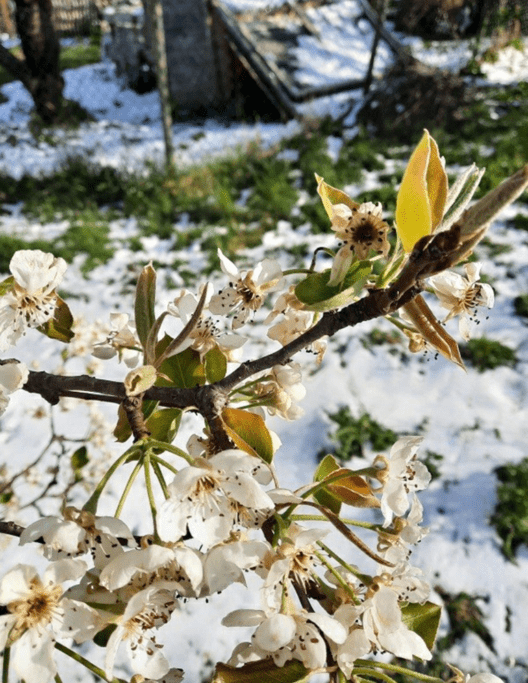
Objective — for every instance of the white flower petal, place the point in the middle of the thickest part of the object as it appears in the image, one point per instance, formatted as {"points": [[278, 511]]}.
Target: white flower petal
{"points": [[32, 657], [275, 632]]}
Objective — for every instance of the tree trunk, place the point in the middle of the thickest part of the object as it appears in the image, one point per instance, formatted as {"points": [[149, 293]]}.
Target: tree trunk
{"points": [[39, 71]]}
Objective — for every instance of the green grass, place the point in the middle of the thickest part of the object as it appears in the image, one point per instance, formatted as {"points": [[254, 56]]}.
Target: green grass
{"points": [[351, 435], [510, 516], [520, 304], [71, 57], [87, 234], [487, 354]]}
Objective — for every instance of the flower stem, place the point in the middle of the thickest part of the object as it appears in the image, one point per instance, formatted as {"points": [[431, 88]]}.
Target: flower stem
{"points": [[91, 503], [128, 487], [5, 665], [375, 674], [153, 443], [321, 518], [353, 570], [86, 663], [150, 492], [159, 476], [399, 670], [164, 463], [338, 577]]}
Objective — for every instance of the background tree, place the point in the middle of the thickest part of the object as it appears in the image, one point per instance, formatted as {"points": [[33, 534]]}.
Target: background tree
{"points": [[39, 70]]}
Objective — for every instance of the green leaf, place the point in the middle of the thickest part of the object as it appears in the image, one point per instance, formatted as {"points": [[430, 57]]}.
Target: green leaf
{"points": [[215, 365], [249, 432], [59, 326], [144, 304], [317, 295], [423, 620], [327, 465], [184, 370], [163, 425], [78, 460], [6, 285], [264, 671], [323, 496], [122, 431], [102, 637]]}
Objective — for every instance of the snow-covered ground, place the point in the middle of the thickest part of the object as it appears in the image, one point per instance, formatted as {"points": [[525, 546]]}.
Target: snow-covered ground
{"points": [[476, 421]]}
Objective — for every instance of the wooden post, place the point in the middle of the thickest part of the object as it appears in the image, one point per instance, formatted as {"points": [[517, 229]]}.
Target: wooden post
{"points": [[154, 9]]}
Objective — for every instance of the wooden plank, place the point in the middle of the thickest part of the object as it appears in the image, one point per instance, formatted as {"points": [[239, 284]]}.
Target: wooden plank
{"points": [[266, 77], [399, 50]]}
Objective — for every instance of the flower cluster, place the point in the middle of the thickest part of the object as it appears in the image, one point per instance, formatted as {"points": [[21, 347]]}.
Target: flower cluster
{"points": [[223, 517]]}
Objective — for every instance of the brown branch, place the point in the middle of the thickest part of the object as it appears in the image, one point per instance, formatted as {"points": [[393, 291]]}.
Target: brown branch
{"points": [[132, 405], [430, 255], [10, 528]]}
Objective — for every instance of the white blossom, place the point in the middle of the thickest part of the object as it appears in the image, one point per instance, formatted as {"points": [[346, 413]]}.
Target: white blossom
{"points": [[79, 532], [282, 391], [37, 613], [376, 624], [208, 498], [462, 295], [361, 231], [31, 300], [205, 335], [286, 636], [178, 568], [225, 563], [122, 341], [402, 474], [146, 610], [13, 376], [245, 292], [294, 560], [293, 324]]}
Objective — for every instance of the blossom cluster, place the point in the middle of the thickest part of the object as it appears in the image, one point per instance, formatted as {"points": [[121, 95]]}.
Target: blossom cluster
{"points": [[224, 515]]}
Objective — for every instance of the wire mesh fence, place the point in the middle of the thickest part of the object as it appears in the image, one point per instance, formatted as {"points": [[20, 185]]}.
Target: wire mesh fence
{"points": [[70, 17]]}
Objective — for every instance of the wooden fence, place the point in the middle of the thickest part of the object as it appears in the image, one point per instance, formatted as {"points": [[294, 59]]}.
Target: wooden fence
{"points": [[69, 16]]}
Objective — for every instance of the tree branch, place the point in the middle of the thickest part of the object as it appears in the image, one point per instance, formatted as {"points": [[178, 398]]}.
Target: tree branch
{"points": [[430, 255]]}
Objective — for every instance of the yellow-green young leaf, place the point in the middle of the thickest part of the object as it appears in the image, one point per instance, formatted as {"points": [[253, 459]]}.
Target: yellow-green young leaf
{"points": [[215, 365], [413, 210], [163, 424], [436, 185], [6, 285], [264, 671], [144, 304], [184, 370], [59, 326], [249, 432], [315, 293], [331, 195], [423, 620]]}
